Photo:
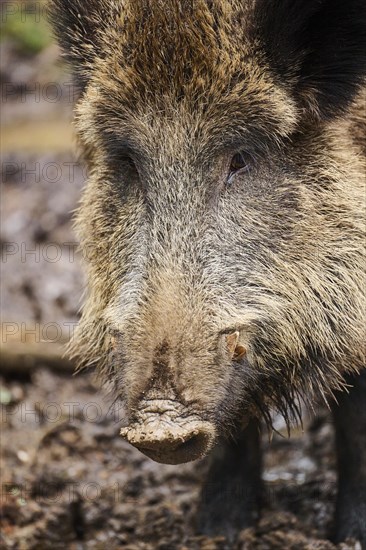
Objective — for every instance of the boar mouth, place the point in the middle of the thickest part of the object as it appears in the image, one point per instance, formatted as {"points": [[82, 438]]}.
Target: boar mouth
{"points": [[166, 435]]}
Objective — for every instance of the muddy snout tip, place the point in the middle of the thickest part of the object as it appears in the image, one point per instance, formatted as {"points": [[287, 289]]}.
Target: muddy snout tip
{"points": [[171, 444]]}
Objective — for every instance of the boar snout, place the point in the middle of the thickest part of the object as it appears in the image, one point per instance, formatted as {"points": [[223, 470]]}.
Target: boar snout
{"points": [[170, 437]]}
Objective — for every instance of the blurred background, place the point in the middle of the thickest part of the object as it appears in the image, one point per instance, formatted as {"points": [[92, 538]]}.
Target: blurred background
{"points": [[67, 479], [41, 182]]}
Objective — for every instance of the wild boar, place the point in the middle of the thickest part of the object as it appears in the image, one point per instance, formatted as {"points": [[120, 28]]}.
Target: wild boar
{"points": [[225, 214]]}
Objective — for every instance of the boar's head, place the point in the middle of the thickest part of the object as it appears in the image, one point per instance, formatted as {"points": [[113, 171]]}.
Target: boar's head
{"points": [[221, 221]]}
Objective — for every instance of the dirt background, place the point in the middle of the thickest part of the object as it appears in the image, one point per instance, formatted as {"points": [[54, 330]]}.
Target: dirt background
{"points": [[67, 479]]}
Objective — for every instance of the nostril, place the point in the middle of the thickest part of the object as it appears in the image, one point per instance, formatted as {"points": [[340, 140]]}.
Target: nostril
{"points": [[177, 452], [172, 446], [191, 444], [169, 445], [184, 443]]}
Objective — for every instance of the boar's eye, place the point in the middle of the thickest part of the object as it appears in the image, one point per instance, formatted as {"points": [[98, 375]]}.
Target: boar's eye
{"points": [[128, 167], [239, 163]]}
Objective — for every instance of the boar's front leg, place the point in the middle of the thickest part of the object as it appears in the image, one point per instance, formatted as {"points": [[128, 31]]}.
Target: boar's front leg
{"points": [[350, 425], [231, 494]]}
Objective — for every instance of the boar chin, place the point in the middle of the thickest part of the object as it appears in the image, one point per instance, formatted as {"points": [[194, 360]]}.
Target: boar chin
{"points": [[167, 434]]}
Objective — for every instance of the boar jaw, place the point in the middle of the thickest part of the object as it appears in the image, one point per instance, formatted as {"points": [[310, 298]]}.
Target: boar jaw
{"points": [[166, 432]]}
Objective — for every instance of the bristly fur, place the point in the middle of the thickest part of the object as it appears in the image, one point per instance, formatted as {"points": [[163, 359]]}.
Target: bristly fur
{"points": [[170, 91], [320, 45]]}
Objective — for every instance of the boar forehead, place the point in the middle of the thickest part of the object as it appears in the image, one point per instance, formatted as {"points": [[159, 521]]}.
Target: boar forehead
{"points": [[196, 62]]}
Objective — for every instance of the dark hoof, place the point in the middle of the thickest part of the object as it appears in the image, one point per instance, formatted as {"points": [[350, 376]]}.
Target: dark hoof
{"points": [[351, 524]]}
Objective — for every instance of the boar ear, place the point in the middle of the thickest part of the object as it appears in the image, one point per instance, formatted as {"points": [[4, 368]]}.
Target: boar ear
{"points": [[318, 44], [80, 27]]}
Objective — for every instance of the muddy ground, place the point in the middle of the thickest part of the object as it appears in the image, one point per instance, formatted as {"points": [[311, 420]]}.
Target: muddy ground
{"points": [[68, 479]]}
